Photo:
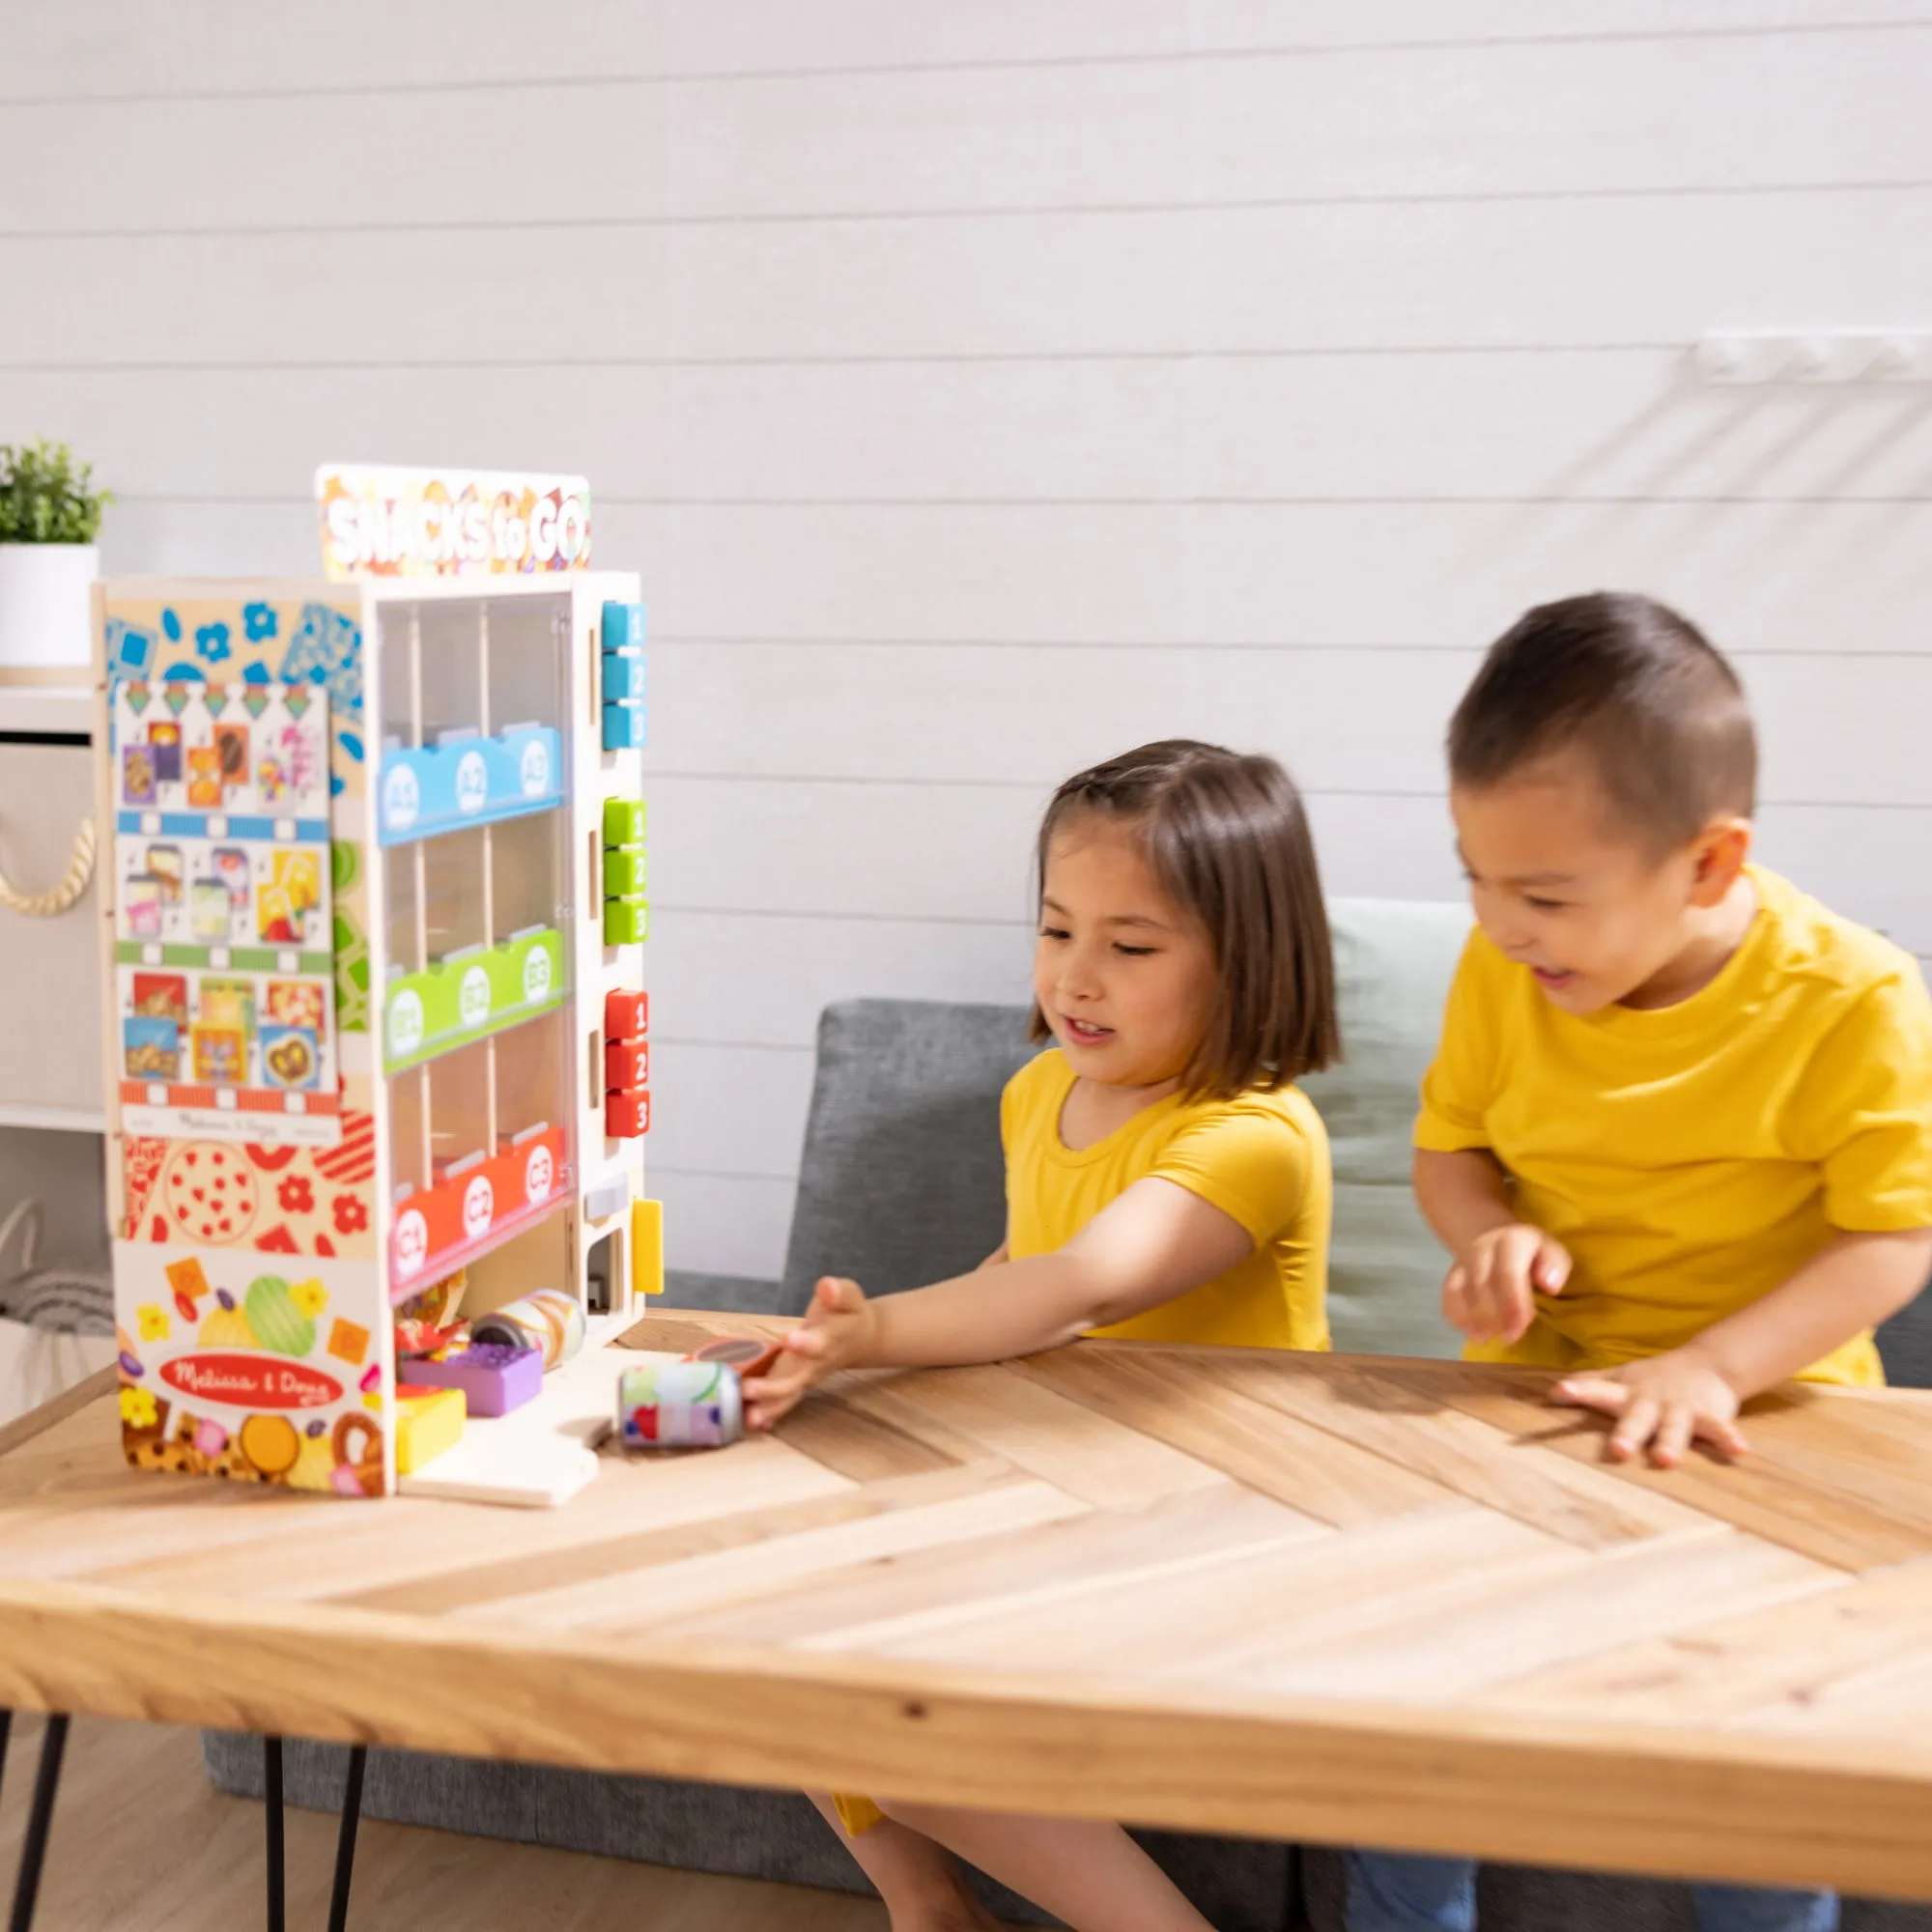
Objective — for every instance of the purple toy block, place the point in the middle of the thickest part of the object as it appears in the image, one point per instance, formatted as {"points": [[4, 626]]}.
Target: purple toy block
{"points": [[494, 1377]]}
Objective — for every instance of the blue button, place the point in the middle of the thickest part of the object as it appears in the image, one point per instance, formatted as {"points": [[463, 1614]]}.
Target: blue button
{"points": [[623, 627], [623, 676], [623, 728]]}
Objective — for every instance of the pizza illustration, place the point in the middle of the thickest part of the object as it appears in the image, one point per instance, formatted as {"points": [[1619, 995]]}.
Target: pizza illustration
{"points": [[209, 1193]]}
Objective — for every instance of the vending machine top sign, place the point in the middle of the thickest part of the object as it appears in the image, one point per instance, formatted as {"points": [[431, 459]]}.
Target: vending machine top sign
{"points": [[380, 522]]}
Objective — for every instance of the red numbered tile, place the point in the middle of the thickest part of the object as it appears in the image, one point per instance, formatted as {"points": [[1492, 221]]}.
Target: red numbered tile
{"points": [[626, 1116], [626, 1015], [627, 1063]]}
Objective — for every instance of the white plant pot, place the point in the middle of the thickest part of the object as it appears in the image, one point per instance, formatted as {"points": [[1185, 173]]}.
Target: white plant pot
{"points": [[46, 612]]}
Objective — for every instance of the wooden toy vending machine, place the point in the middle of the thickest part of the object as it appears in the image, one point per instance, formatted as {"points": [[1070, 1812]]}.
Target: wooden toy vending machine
{"points": [[378, 1030]]}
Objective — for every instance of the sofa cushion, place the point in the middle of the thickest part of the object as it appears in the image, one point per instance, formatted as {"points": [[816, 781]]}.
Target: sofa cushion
{"points": [[902, 1181], [1393, 964]]}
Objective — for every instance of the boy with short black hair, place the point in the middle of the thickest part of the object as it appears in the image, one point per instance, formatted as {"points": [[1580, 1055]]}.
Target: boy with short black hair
{"points": [[1678, 1133]]}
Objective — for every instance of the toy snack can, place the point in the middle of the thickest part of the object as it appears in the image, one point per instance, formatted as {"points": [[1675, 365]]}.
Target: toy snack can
{"points": [[549, 1321], [672, 1405]]}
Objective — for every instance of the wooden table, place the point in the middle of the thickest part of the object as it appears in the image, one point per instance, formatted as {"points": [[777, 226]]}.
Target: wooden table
{"points": [[1339, 1599]]}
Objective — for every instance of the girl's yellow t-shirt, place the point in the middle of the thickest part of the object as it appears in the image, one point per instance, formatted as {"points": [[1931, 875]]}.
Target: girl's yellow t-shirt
{"points": [[1262, 1158]]}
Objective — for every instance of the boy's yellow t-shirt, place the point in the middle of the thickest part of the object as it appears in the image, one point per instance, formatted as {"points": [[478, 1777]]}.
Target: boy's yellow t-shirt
{"points": [[1262, 1158], [1691, 1158]]}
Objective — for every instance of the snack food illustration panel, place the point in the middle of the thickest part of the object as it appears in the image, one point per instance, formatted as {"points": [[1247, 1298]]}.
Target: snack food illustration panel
{"points": [[233, 1365], [223, 913], [272, 643], [248, 751]]}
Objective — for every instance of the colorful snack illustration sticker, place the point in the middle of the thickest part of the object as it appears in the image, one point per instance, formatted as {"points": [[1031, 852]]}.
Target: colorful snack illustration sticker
{"points": [[141, 906], [231, 746], [284, 903], [164, 740], [295, 1002], [161, 996], [220, 1055], [208, 912], [289, 1057], [204, 778], [229, 865], [152, 1049], [165, 863], [137, 775]]}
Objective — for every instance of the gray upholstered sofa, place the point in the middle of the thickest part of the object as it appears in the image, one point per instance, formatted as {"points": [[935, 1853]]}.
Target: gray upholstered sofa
{"points": [[901, 1183]]}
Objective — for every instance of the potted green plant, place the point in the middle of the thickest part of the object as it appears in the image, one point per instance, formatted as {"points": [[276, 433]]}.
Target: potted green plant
{"points": [[50, 517]]}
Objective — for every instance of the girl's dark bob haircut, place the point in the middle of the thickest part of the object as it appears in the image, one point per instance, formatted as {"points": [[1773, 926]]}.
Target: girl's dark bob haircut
{"points": [[1227, 837]]}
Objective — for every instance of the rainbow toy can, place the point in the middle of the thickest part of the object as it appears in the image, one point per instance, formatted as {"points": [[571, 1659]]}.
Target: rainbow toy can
{"points": [[671, 1405]]}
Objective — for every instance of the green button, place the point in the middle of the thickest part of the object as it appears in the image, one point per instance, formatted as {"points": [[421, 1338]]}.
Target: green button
{"points": [[623, 821], [623, 875], [626, 922]]}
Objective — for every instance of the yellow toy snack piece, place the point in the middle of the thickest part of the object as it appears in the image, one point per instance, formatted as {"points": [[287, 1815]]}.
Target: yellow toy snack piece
{"points": [[428, 1421]]}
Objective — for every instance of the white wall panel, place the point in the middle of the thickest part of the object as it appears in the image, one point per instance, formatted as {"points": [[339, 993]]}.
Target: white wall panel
{"points": [[253, 434], [981, 389], [728, 1109], [91, 49], [1343, 720], [765, 977], [1798, 577], [1357, 278], [1845, 730], [721, 1223]]}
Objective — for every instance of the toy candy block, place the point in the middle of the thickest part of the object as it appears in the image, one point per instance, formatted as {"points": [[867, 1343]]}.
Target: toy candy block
{"points": [[428, 1421], [623, 627], [495, 1378], [647, 1247], [627, 1116], [623, 677], [626, 1015], [623, 821], [624, 726], [625, 874], [626, 922], [627, 1063]]}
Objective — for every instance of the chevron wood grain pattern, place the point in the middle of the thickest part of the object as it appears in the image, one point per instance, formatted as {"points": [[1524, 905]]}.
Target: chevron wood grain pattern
{"points": [[1319, 1596]]}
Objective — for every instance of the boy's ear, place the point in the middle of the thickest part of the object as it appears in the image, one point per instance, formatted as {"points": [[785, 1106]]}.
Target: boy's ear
{"points": [[1720, 850]]}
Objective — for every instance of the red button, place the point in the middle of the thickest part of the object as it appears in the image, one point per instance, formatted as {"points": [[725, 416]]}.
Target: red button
{"points": [[626, 1015], [626, 1116], [627, 1063]]}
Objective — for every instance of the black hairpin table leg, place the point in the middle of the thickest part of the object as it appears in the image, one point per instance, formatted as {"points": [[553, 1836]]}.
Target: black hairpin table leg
{"points": [[344, 1843], [34, 1853], [272, 1762]]}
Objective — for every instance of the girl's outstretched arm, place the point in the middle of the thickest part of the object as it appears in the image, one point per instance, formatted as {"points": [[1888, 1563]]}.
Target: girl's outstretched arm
{"points": [[1155, 1241]]}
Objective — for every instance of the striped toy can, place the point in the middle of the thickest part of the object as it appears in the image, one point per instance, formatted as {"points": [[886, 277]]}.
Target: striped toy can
{"points": [[547, 1320], [668, 1404]]}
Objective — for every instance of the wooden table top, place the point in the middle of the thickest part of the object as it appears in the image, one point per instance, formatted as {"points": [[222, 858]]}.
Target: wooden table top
{"points": [[1326, 1598]]}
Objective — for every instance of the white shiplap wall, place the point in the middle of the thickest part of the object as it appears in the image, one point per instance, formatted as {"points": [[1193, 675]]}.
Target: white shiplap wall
{"points": [[983, 387]]}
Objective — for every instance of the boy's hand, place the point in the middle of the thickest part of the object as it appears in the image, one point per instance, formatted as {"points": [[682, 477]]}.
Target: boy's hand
{"points": [[1490, 1294], [838, 1330], [1664, 1403]]}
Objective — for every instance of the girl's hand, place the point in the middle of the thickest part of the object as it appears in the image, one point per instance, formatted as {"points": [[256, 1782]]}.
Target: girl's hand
{"points": [[838, 1331], [1664, 1403], [1490, 1294]]}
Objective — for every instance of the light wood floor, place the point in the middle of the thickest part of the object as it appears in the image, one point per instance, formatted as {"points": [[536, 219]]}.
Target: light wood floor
{"points": [[143, 1843]]}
